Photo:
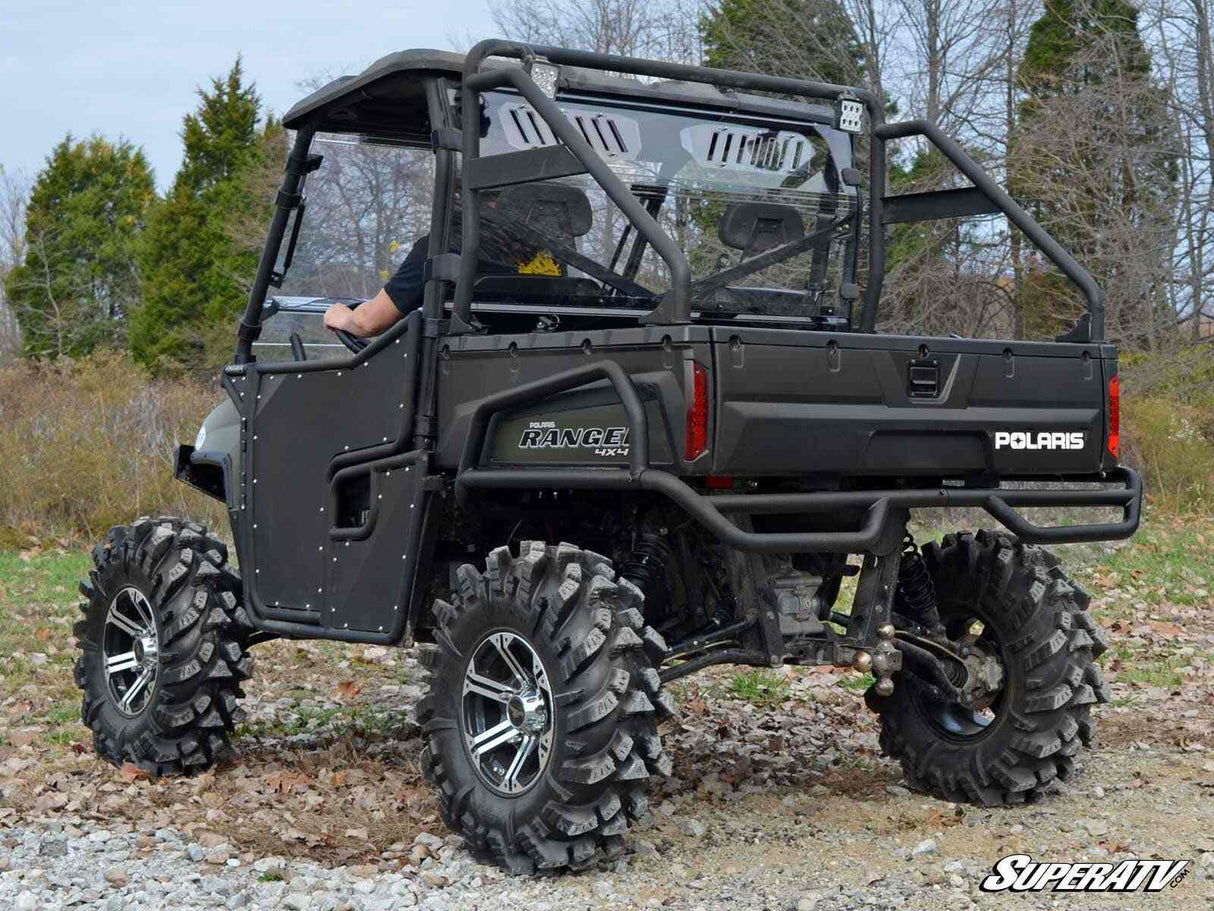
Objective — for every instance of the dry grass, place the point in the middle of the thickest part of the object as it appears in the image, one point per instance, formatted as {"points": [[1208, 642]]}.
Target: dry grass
{"points": [[89, 444]]}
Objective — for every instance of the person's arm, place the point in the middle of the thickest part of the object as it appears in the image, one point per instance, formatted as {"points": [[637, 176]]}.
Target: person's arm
{"points": [[399, 296], [370, 318]]}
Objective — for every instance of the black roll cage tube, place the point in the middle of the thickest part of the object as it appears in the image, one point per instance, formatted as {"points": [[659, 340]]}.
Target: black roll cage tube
{"points": [[985, 197]]}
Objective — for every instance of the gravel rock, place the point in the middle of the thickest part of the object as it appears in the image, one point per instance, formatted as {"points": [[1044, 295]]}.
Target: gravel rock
{"points": [[925, 847], [692, 828], [116, 876]]}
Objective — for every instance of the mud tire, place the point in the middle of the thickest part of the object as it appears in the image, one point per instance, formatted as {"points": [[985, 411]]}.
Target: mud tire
{"points": [[195, 598], [588, 630], [1050, 644]]}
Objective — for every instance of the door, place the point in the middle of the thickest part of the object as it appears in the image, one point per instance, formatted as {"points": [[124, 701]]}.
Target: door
{"points": [[333, 493]]}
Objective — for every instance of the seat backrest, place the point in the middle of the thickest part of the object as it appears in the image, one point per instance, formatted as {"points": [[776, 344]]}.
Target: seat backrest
{"points": [[558, 211], [755, 227]]}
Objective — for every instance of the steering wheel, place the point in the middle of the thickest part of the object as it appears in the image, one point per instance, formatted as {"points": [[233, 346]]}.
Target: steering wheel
{"points": [[355, 343]]}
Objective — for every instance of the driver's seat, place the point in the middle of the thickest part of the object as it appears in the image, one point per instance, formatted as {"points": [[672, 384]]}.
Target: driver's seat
{"points": [[756, 227]]}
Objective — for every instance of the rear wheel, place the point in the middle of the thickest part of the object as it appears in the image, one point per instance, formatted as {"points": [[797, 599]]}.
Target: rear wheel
{"points": [[540, 721], [161, 657], [1024, 627]]}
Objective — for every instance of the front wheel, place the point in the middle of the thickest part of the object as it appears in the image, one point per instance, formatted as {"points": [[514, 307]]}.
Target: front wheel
{"points": [[1024, 627], [540, 721], [161, 658]]}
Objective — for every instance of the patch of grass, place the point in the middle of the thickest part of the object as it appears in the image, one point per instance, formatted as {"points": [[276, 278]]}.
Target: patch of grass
{"points": [[1167, 562], [270, 878], [64, 714], [1162, 671], [759, 687], [857, 682]]}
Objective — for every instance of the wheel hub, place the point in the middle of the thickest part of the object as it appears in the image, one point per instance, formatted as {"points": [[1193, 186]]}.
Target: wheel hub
{"points": [[130, 651], [507, 713]]}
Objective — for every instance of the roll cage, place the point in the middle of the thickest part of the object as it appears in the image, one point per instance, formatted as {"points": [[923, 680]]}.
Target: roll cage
{"points": [[405, 98]]}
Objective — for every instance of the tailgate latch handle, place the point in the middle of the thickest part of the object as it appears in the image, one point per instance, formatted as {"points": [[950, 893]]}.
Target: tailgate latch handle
{"points": [[923, 378]]}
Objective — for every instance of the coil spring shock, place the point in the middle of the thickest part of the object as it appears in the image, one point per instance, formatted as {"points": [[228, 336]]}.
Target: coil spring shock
{"points": [[916, 593], [645, 567]]}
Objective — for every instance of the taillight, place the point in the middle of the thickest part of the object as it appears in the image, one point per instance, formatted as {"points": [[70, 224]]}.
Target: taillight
{"points": [[697, 413], [1113, 443]]}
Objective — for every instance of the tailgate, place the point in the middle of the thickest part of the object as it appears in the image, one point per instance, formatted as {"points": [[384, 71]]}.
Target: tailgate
{"points": [[792, 402]]}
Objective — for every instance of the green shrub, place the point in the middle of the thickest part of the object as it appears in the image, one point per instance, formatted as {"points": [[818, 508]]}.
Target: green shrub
{"points": [[89, 444], [1172, 444]]}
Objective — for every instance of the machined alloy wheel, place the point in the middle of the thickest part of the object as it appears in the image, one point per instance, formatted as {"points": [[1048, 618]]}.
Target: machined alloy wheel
{"points": [[162, 647], [130, 649], [507, 712], [541, 716]]}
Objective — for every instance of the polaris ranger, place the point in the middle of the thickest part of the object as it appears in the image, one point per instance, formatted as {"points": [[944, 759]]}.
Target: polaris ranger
{"points": [[641, 424]]}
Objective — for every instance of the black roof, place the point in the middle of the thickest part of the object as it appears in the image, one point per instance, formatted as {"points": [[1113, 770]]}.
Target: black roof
{"points": [[388, 99]]}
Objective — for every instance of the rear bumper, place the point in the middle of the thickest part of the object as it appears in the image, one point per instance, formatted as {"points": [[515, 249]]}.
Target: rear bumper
{"points": [[710, 510]]}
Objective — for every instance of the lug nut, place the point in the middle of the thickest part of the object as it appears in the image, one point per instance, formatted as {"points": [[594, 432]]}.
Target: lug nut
{"points": [[863, 662]]}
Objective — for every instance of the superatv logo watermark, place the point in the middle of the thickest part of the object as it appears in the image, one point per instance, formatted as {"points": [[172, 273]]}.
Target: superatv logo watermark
{"points": [[605, 441], [1027, 439], [1020, 873]]}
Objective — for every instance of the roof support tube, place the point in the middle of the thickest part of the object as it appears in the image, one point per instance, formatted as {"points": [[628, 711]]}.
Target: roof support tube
{"points": [[1094, 330], [250, 323]]}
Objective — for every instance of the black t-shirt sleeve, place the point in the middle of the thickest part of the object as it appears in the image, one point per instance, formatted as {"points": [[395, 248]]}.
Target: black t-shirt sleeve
{"points": [[406, 286]]}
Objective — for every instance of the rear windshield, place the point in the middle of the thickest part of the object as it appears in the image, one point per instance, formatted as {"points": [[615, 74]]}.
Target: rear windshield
{"points": [[757, 204]]}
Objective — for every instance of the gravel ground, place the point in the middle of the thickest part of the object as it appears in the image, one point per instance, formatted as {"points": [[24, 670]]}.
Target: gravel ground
{"points": [[779, 799], [820, 824]]}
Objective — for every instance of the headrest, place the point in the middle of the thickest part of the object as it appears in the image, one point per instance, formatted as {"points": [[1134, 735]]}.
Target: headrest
{"points": [[553, 209], [754, 227]]}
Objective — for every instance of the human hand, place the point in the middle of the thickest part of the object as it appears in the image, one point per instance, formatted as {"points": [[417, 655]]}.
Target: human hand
{"points": [[339, 316]]}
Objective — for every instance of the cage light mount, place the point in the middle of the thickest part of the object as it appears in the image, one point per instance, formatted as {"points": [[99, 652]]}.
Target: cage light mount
{"points": [[849, 113], [544, 74]]}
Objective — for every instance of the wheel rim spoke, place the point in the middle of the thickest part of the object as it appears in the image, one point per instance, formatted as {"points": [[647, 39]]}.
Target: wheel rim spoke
{"points": [[143, 609], [137, 687], [490, 689], [503, 648], [123, 662], [125, 624], [510, 779], [494, 737]]}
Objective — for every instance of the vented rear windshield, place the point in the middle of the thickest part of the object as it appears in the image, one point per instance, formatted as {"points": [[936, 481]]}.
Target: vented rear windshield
{"points": [[757, 203]]}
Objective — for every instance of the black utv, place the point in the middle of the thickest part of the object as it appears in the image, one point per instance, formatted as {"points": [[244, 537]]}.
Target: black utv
{"points": [[640, 424]]}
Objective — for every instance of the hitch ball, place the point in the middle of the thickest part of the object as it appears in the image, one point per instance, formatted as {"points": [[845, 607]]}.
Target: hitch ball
{"points": [[863, 662]]}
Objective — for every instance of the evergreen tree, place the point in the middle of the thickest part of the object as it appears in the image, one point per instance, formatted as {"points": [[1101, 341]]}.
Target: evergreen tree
{"points": [[809, 39], [77, 283], [1093, 154], [194, 273]]}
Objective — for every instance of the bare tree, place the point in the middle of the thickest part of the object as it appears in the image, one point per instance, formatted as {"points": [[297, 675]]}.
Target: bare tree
{"points": [[14, 192], [64, 301], [636, 28], [1180, 35]]}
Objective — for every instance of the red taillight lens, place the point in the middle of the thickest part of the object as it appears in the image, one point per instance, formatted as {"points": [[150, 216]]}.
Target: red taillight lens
{"points": [[697, 413], [1114, 439]]}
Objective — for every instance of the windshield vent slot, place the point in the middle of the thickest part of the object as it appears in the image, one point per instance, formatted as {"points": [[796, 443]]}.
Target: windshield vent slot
{"points": [[743, 149], [610, 135], [524, 128], [603, 133]]}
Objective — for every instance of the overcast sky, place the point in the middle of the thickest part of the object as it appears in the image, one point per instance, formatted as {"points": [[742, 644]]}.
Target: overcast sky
{"points": [[131, 68]]}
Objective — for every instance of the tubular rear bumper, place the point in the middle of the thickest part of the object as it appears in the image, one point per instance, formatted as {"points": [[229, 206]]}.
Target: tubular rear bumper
{"points": [[710, 510]]}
